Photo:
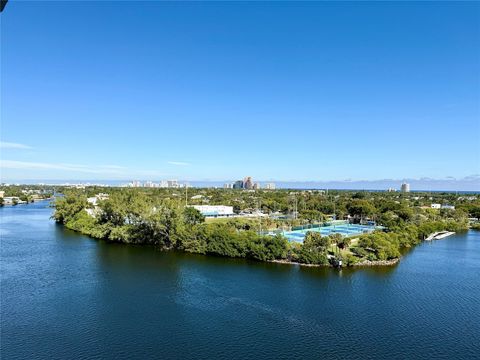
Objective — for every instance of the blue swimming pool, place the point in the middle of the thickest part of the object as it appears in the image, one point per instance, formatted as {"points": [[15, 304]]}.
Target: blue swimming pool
{"points": [[342, 229]]}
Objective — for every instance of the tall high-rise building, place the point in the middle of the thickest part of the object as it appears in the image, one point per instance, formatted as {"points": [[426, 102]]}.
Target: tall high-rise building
{"points": [[248, 183], [405, 187], [238, 184], [270, 186], [135, 183], [172, 183]]}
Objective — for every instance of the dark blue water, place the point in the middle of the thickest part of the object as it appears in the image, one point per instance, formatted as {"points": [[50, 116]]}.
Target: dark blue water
{"points": [[64, 295]]}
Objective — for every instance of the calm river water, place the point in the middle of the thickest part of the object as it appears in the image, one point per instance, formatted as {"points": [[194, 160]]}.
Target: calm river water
{"points": [[65, 296]]}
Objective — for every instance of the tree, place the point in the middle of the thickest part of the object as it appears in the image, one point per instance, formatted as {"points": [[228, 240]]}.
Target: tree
{"points": [[67, 207], [341, 241], [314, 239], [311, 215], [192, 216], [360, 208], [314, 249]]}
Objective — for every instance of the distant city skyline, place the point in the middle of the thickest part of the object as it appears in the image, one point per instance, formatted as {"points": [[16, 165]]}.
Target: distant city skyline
{"points": [[471, 183], [197, 91]]}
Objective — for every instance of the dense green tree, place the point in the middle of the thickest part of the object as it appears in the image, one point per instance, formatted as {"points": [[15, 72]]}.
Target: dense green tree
{"points": [[312, 216], [360, 208], [314, 249], [342, 241]]}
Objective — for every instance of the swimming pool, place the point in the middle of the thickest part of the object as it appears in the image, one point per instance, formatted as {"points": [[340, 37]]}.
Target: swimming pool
{"points": [[342, 229]]}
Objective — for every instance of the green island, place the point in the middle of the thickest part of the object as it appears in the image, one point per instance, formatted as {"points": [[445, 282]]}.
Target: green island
{"points": [[167, 219]]}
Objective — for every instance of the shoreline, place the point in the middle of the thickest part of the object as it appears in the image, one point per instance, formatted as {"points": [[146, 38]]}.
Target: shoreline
{"points": [[363, 263]]}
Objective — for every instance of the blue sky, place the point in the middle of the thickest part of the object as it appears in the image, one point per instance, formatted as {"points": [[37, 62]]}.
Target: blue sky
{"points": [[285, 91]]}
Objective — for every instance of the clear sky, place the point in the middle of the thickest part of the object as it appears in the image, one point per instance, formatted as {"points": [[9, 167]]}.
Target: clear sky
{"points": [[285, 91]]}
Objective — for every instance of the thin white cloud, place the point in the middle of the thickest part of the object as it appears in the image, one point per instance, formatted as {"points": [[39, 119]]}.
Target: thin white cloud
{"points": [[114, 167], [113, 171], [11, 145], [178, 163], [14, 164]]}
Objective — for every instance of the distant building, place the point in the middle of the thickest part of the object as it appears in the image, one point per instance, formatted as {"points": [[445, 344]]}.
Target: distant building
{"points": [[270, 186], [163, 183], [215, 210], [238, 184], [448, 207], [248, 183], [391, 190], [135, 183], [149, 184], [10, 200], [95, 199], [172, 184], [405, 188], [435, 206], [2, 194]]}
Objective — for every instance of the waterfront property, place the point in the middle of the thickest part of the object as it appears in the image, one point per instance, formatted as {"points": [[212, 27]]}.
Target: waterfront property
{"points": [[343, 229], [12, 200]]}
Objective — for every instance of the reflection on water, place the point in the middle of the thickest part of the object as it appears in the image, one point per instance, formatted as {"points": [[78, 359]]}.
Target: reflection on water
{"points": [[65, 295]]}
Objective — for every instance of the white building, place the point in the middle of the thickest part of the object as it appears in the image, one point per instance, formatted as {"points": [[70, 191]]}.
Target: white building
{"points": [[215, 210], [94, 199], [10, 200], [270, 186], [435, 206], [172, 184], [449, 207], [405, 187], [135, 183]]}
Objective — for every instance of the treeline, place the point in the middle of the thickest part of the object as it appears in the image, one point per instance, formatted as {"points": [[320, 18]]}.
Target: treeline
{"points": [[140, 217], [134, 218], [388, 245], [315, 205]]}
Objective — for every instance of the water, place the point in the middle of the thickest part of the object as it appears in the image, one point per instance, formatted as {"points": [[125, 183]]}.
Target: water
{"points": [[64, 295]]}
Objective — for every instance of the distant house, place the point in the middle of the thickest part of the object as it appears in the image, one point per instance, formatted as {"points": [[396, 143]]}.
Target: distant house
{"points": [[435, 206], [12, 200]]}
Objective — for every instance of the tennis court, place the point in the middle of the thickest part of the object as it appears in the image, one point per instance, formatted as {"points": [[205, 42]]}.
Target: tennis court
{"points": [[342, 229]]}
